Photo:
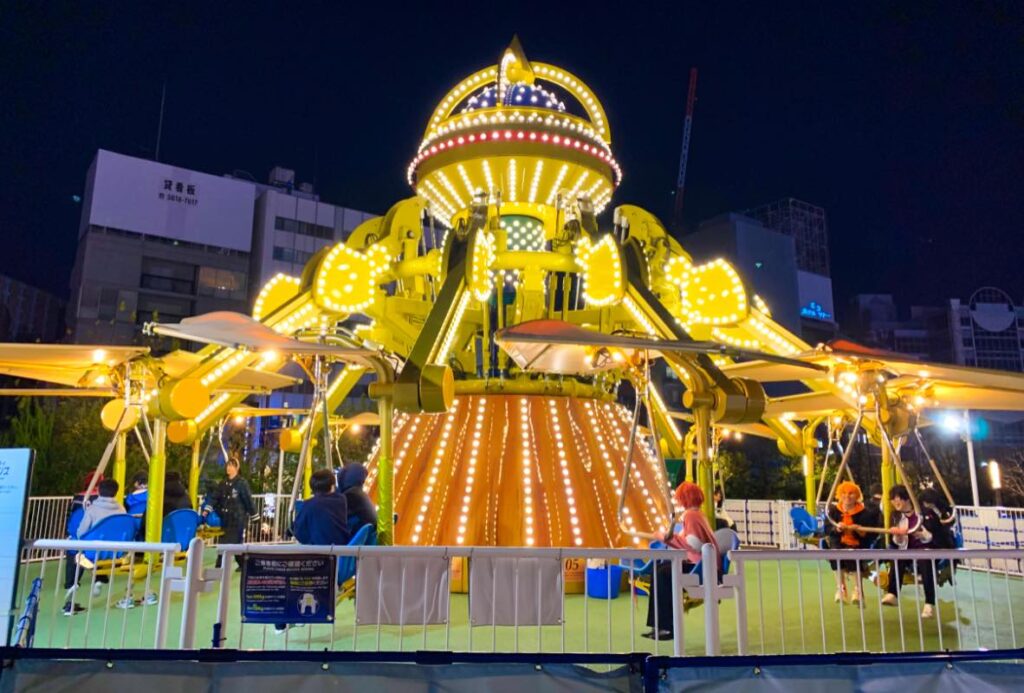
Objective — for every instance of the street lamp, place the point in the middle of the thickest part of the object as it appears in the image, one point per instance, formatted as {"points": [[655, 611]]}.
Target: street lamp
{"points": [[996, 480], [962, 425]]}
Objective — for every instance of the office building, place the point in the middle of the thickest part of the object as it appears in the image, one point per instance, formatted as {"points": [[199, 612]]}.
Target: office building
{"points": [[160, 243]]}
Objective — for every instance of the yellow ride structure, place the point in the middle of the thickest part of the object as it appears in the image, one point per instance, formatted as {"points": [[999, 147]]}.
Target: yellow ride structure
{"points": [[513, 169]]}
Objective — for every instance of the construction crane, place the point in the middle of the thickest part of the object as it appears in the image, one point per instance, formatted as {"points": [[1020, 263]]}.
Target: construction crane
{"points": [[691, 96]]}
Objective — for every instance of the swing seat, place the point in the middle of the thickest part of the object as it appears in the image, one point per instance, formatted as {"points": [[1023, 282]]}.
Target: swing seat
{"points": [[366, 536], [119, 528], [805, 524]]}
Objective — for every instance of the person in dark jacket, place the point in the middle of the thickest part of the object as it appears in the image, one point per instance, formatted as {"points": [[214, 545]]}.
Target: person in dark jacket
{"points": [[323, 519], [175, 494], [911, 532], [232, 500], [361, 510]]}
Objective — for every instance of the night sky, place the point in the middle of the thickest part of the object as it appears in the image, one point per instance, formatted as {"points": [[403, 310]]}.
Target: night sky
{"points": [[905, 123]]}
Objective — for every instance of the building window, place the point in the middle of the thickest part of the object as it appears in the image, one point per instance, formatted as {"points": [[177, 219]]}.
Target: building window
{"points": [[291, 255], [222, 283], [166, 275], [107, 306], [163, 309], [304, 228]]}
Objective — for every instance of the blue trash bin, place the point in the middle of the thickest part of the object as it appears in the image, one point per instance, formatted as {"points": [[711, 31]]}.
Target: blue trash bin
{"points": [[598, 580]]}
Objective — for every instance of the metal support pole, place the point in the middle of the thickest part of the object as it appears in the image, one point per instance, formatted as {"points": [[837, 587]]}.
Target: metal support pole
{"points": [[120, 463], [157, 469], [193, 475], [810, 487], [385, 474], [970, 458], [888, 481], [705, 475]]}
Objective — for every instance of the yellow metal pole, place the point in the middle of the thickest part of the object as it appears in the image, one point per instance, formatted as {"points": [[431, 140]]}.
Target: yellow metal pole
{"points": [[193, 476], [810, 487], [888, 481], [307, 474], [385, 475], [705, 473], [120, 463], [157, 469]]}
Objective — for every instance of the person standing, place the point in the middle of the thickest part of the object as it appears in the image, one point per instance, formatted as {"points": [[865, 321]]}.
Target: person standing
{"points": [[232, 500]]}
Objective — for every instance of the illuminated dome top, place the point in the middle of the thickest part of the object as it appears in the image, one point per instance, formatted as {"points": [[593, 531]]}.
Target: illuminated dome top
{"points": [[519, 94], [528, 134]]}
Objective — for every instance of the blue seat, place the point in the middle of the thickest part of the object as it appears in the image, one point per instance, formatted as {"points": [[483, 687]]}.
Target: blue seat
{"points": [[120, 528], [180, 527], [366, 536], [74, 520], [805, 524]]}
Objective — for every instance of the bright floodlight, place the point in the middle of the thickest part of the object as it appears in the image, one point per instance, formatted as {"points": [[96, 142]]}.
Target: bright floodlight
{"points": [[951, 422]]}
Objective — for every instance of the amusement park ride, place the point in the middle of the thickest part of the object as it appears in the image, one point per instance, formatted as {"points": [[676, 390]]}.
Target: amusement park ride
{"points": [[501, 320]]}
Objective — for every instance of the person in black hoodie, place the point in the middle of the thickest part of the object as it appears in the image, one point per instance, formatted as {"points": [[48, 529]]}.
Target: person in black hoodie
{"points": [[175, 494], [361, 510]]}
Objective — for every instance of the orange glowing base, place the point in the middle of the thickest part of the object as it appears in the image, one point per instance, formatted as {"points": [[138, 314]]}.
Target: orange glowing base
{"points": [[521, 470]]}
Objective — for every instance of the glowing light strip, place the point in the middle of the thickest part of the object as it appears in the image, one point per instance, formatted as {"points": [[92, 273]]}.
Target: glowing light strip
{"points": [[449, 338], [721, 336], [483, 117], [453, 97], [509, 135], [583, 444], [557, 184], [775, 341], [474, 451], [651, 510], [582, 93], [593, 188], [574, 521], [466, 181], [257, 309], [613, 475], [579, 184], [489, 178], [435, 468], [536, 180], [639, 316], [451, 189], [524, 430], [512, 183], [445, 202]]}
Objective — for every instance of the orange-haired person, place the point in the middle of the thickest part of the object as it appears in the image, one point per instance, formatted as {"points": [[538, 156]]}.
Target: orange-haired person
{"points": [[851, 516], [694, 534]]}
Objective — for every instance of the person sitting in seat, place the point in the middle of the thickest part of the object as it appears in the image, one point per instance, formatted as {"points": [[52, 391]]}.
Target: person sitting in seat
{"points": [[175, 494], [323, 519], [903, 538], [695, 533], [361, 510], [104, 506], [850, 513], [135, 502], [722, 518]]}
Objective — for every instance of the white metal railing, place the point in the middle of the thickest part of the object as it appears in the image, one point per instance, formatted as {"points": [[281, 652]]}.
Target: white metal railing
{"points": [[587, 623], [788, 602], [118, 596]]}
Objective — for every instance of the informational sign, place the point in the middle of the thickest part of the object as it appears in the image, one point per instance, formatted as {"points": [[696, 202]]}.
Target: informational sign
{"points": [[15, 468], [157, 199], [288, 589]]}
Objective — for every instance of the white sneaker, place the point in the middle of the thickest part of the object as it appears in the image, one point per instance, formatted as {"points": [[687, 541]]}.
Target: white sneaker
{"points": [[97, 589], [126, 603], [927, 611], [151, 598], [889, 599]]}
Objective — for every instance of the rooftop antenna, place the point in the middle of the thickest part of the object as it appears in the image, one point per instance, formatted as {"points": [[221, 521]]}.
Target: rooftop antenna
{"points": [[691, 97], [160, 122]]}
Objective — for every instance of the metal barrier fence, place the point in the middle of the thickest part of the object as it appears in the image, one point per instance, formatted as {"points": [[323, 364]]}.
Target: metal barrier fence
{"points": [[788, 602], [125, 588], [477, 599], [512, 600]]}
